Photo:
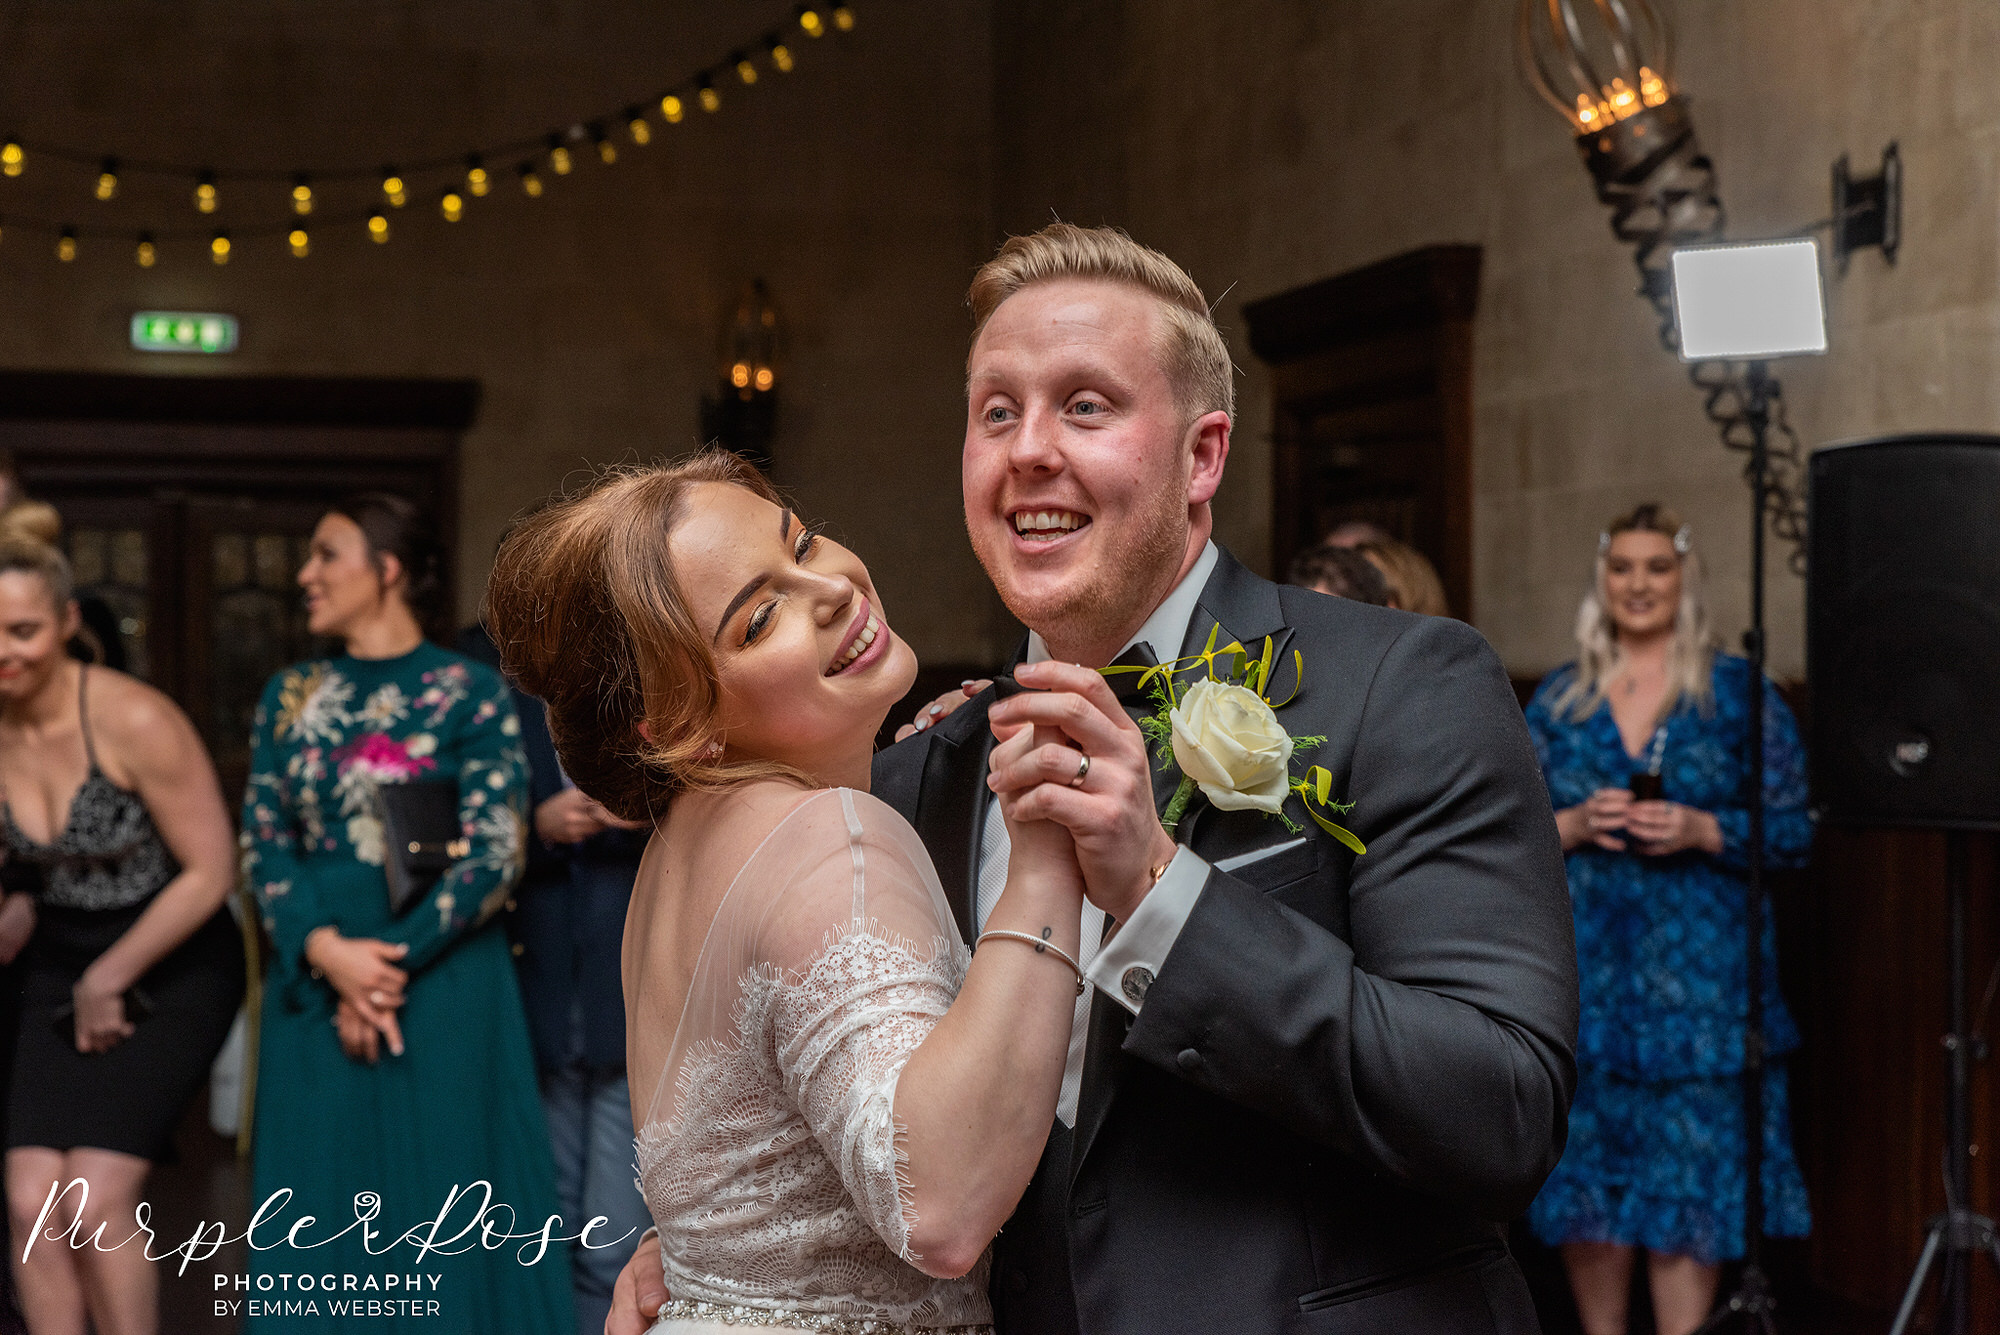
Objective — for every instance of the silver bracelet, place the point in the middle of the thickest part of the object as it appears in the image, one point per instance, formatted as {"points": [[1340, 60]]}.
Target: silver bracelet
{"points": [[1040, 945]]}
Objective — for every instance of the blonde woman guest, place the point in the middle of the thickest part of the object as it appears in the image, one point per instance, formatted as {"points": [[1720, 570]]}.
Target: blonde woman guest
{"points": [[1656, 1141], [1413, 581], [133, 970]]}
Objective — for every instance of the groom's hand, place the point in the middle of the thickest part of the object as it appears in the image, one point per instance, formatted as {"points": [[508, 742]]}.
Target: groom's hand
{"points": [[1110, 814], [639, 1291]]}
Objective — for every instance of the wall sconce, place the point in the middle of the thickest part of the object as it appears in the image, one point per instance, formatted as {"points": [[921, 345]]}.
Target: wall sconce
{"points": [[1606, 66], [742, 413]]}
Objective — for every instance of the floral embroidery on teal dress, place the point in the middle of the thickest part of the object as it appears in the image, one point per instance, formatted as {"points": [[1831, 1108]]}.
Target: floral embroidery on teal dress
{"points": [[461, 1104], [1655, 1152]]}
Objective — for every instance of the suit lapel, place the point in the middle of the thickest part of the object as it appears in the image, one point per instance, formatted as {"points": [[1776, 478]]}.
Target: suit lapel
{"points": [[949, 806], [1247, 609]]}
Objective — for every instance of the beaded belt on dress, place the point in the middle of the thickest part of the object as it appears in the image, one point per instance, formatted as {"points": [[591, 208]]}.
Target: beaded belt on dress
{"points": [[830, 1323]]}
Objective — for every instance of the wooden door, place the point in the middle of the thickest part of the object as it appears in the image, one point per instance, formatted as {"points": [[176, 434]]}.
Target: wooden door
{"points": [[1371, 407], [187, 504]]}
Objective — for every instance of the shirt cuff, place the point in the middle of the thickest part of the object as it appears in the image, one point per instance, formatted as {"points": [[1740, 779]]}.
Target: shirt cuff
{"points": [[1131, 959]]}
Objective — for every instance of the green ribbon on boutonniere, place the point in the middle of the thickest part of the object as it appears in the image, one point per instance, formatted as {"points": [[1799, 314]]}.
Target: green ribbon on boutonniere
{"points": [[1222, 732]]}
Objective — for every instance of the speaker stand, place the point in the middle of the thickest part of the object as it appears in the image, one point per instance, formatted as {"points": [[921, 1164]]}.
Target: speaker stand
{"points": [[1751, 1299], [1958, 1233]]}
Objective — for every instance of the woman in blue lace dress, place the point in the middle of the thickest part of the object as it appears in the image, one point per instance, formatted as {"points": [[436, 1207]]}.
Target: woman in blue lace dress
{"points": [[1656, 1136]]}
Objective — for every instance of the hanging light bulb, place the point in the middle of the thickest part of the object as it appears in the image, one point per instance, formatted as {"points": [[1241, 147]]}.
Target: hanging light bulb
{"points": [[558, 155], [302, 196], [744, 69], [218, 246], [607, 152], [843, 18], [378, 227], [809, 19], [66, 245], [476, 179], [393, 188], [12, 159], [107, 179], [672, 108], [146, 254], [205, 197], [781, 55], [452, 205], [531, 184], [638, 126], [300, 242], [711, 101]]}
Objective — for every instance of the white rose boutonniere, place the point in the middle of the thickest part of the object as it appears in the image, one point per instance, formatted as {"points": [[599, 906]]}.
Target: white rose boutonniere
{"points": [[1223, 733], [1227, 739]]}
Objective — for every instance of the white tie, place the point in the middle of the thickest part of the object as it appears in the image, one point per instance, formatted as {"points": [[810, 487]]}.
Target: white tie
{"points": [[993, 850]]}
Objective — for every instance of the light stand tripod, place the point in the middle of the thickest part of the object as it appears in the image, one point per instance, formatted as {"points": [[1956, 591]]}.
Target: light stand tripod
{"points": [[1751, 1298], [1957, 1233]]}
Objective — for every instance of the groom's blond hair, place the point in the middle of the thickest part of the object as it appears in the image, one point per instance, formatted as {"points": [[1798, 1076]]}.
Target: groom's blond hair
{"points": [[1192, 352]]}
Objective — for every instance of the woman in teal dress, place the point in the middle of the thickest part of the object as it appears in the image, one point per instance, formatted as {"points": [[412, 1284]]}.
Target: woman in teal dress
{"points": [[394, 1058]]}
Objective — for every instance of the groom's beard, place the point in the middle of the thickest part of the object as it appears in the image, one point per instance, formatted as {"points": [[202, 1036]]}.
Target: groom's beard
{"points": [[1097, 610]]}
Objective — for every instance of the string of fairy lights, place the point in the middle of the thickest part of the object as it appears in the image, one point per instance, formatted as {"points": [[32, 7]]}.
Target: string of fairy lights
{"points": [[532, 163]]}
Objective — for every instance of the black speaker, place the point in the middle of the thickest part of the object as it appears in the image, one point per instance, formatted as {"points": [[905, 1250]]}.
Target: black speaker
{"points": [[1903, 631]]}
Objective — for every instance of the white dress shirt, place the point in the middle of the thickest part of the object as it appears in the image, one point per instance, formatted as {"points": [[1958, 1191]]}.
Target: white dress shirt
{"points": [[1123, 969]]}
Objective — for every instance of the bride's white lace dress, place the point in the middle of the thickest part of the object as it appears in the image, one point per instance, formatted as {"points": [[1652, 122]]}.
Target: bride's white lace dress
{"points": [[768, 1155]]}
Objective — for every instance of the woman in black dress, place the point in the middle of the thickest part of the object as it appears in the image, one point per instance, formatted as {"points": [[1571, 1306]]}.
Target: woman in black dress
{"points": [[133, 971]]}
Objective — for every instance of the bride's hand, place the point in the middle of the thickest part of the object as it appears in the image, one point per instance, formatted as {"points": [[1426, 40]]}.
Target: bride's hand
{"points": [[1040, 843], [930, 715]]}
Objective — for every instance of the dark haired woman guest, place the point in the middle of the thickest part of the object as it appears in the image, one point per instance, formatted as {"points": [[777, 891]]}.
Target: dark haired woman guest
{"points": [[394, 1057], [133, 972], [1656, 1136]]}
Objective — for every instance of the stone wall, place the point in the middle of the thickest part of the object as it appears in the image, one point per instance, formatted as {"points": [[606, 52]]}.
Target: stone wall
{"points": [[1269, 143], [855, 186]]}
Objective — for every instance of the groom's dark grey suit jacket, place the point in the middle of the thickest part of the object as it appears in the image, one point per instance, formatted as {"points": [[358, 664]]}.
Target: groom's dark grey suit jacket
{"points": [[1349, 1069]]}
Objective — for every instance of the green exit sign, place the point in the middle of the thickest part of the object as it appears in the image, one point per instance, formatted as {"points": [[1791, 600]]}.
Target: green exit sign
{"points": [[183, 331]]}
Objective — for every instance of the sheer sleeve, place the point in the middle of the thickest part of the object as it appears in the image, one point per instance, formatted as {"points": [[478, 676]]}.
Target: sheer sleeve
{"points": [[830, 960], [869, 961]]}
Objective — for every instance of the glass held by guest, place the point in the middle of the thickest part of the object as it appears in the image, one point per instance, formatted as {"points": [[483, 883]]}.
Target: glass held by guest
{"points": [[394, 1058], [133, 970], [1642, 740], [837, 1106]]}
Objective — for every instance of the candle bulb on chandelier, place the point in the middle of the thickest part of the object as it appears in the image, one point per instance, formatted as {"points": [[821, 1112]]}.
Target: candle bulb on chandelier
{"points": [[301, 243], [107, 179], [531, 182], [146, 254], [607, 152], [206, 199], [302, 196], [781, 55], [711, 101], [672, 108], [12, 157], [393, 188], [218, 246], [638, 127], [66, 245], [378, 227], [477, 182], [452, 205], [558, 155]]}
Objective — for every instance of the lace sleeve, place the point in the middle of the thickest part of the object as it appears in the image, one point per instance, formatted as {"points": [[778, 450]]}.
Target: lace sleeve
{"points": [[866, 959]]}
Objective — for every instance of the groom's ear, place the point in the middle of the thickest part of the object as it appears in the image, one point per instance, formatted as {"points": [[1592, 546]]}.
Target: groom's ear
{"points": [[1208, 450]]}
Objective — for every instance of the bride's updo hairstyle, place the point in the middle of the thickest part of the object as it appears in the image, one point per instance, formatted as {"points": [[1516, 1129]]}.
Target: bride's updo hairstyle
{"points": [[589, 616]]}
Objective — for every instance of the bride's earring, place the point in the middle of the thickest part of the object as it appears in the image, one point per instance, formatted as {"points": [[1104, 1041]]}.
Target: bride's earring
{"points": [[715, 750]]}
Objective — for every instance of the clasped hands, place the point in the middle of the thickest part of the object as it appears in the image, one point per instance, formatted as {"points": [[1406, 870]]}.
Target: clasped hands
{"points": [[1612, 818], [1067, 713], [370, 985]]}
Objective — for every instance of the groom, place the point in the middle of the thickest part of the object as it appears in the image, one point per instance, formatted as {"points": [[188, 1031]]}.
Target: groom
{"points": [[1307, 1085]]}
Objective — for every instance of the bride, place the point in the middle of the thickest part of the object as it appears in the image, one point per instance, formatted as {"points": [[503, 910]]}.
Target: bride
{"points": [[838, 1107]]}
